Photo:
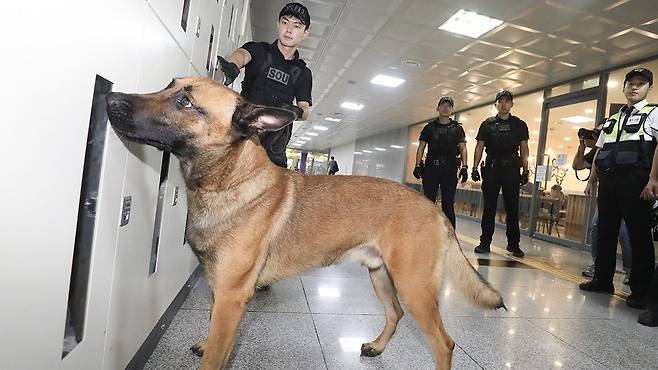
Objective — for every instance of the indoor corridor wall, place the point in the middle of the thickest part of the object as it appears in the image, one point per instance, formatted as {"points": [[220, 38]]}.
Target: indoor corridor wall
{"points": [[52, 55]]}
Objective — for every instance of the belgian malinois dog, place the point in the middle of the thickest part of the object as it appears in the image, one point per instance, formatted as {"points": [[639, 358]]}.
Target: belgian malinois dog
{"points": [[249, 219]]}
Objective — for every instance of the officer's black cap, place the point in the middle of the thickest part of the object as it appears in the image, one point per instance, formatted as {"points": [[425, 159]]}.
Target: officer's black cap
{"points": [[448, 99], [298, 10], [643, 72], [503, 93]]}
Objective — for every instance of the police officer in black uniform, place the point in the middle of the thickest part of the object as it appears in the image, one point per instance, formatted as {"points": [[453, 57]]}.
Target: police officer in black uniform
{"points": [[275, 75], [446, 142], [622, 165], [503, 135]]}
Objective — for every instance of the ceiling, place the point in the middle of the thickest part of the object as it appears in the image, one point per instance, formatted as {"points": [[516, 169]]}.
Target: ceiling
{"points": [[540, 43]]}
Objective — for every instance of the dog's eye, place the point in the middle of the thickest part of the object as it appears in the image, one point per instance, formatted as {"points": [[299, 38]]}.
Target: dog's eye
{"points": [[185, 102]]}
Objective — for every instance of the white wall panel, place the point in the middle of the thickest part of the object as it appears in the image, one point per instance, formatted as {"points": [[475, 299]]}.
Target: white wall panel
{"points": [[170, 14], [344, 155]]}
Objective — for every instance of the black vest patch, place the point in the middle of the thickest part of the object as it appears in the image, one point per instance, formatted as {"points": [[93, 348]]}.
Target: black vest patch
{"points": [[278, 75]]}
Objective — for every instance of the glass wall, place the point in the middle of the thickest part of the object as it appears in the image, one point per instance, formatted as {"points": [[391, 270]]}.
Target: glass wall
{"points": [[381, 155]]}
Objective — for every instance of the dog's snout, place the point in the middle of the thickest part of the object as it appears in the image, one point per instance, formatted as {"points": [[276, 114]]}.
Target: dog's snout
{"points": [[119, 107]]}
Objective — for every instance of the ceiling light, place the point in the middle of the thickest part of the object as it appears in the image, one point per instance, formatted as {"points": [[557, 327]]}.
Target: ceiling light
{"points": [[567, 139], [410, 63], [305, 138], [351, 105], [470, 24], [312, 134], [358, 153], [537, 119], [332, 119], [578, 119], [367, 151], [387, 81], [589, 111], [380, 149], [397, 147], [321, 128]]}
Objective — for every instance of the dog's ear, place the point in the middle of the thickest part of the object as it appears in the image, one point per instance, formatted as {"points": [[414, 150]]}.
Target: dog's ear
{"points": [[249, 119]]}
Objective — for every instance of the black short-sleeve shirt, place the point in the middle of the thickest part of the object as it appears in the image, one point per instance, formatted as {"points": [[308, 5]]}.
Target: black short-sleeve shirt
{"points": [[258, 51], [519, 131], [435, 149]]}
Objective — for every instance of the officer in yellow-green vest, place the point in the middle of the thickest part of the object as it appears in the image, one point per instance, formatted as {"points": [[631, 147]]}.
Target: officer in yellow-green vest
{"points": [[622, 165]]}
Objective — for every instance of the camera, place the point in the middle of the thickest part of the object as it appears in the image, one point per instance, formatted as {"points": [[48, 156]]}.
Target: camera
{"points": [[587, 134]]}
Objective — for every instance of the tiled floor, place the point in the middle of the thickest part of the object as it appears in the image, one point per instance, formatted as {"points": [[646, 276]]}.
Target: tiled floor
{"points": [[320, 319]]}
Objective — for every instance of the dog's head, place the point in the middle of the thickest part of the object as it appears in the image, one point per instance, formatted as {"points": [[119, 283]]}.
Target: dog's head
{"points": [[191, 115]]}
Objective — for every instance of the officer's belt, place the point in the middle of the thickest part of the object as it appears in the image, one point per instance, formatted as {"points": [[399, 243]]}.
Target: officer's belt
{"points": [[502, 162], [441, 161]]}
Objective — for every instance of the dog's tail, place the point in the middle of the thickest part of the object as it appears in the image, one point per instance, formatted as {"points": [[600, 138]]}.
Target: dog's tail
{"points": [[471, 284]]}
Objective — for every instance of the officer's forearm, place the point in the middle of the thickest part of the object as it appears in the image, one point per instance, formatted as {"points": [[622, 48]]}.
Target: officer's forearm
{"points": [[420, 151], [240, 57], [477, 157], [525, 151], [464, 154]]}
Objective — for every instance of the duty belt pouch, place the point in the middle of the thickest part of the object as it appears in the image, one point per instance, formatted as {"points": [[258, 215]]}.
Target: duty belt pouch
{"points": [[604, 161]]}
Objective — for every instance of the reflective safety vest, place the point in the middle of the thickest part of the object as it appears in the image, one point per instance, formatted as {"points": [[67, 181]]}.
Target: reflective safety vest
{"points": [[626, 143]]}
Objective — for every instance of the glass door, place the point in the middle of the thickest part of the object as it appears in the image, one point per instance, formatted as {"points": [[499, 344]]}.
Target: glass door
{"points": [[561, 206]]}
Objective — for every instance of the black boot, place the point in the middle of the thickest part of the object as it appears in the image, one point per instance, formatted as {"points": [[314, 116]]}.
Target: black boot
{"points": [[516, 251], [648, 318], [596, 285], [482, 249]]}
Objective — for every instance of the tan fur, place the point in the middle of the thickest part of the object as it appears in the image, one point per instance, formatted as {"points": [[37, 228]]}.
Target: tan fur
{"points": [[249, 224]]}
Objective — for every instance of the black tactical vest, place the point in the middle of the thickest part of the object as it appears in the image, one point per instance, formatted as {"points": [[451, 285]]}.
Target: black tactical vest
{"points": [[274, 84], [502, 141], [444, 140]]}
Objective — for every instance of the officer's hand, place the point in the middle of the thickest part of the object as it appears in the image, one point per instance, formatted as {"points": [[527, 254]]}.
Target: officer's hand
{"points": [[295, 109], [589, 189], [475, 175], [524, 177], [418, 170], [463, 174], [230, 70], [650, 191]]}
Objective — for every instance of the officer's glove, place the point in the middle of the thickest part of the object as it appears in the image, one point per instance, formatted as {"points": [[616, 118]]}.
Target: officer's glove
{"points": [[418, 170], [230, 70], [463, 174], [475, 175], [295, 109], [524, 177]]}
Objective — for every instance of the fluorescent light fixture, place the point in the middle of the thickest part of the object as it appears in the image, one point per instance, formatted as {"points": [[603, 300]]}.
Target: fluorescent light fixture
{"points": [[320, 128], [329, 292], [358, 153], [470, 24], [578, 119], [387, 81], [351, 105], [351, 344], [305, 138], [367, 151], [312, 134], [397, 147], [332, 119], [567, 138], [380, 149]]}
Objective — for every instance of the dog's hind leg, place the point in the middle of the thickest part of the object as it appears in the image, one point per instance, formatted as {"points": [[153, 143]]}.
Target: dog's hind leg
{"points": [[387, 295], [422, 302]]}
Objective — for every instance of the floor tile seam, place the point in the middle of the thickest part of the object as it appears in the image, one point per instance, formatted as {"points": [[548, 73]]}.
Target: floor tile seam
{"points": [[315, 327], [542, 266], [469, 356], [568, 344]]}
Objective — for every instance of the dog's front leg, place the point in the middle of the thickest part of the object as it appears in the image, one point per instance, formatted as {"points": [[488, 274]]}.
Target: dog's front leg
{"points": [[234, 288]]}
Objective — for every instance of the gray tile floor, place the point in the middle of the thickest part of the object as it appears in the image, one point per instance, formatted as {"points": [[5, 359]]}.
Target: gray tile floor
{"points": [[320, 319]]}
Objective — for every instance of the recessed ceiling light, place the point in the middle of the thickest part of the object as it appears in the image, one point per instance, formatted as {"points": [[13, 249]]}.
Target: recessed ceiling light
{"points": [[380, 149], [305, 138], [578, 119], [397, 147], [332, 119], [312, 134], [387, 81], [367, 151], [351, 105], [470, 24], [320, 127], [411, 64]]}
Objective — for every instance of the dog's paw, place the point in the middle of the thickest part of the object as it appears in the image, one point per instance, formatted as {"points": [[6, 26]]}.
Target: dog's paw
{"points": [[199, 348], [369, 349]]}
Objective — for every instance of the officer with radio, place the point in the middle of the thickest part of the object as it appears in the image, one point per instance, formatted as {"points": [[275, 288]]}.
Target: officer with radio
{"points": [[622, 164], [505, 138], [275, 75], [446, 143]]}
